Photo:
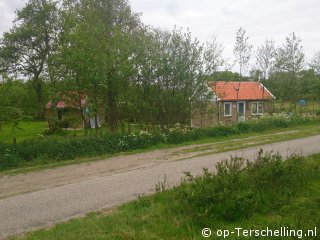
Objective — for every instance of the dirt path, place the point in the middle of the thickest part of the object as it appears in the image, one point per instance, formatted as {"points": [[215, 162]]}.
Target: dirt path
{"points": [[49, 178], [106, 188]]}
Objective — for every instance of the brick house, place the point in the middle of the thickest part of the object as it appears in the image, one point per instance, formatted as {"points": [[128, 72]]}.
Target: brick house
{"points": [[234, 102], [72, 109]]}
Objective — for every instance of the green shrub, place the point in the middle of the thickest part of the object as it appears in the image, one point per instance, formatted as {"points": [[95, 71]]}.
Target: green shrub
{"points": [[179, 134], [241, 188], [10, 161], [54, 149], [243, 127], [219, 131]]}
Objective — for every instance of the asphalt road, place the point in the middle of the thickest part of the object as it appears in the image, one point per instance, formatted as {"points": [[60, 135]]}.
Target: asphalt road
{"points": [[43, 208]]}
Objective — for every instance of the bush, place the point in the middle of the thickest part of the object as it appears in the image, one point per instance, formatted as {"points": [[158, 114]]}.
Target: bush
{"points": [[241, 188], [279, 120], [222, 131], [10, 161], [56, 127], [243, 127], [53, 149], [179, 134]]}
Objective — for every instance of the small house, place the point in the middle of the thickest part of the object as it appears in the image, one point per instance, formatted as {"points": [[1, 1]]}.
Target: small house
{"points": [[234, 102], [71, 110], [240, 101]]}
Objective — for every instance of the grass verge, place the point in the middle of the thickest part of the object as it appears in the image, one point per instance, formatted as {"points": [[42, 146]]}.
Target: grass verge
{"points": [[283, 194]]}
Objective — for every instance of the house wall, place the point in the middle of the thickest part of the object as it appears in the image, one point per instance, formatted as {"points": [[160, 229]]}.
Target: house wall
{"points": [[210, 118], [267, 108], [233, 117]]}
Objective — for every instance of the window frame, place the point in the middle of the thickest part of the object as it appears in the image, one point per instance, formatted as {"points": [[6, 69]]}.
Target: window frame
{"points": [[257, 113], [224, 109]]}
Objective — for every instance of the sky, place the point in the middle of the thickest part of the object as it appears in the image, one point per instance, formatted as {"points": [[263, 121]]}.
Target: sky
{"points": [[261, 19]]}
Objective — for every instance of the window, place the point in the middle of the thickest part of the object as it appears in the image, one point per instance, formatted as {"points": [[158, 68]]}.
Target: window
{"points": [[227, 109], [256, 108]]}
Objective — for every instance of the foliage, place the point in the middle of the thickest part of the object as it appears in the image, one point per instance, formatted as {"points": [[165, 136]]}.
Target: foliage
{"points": [[100, 68], [212, 56], [290, 57], [240, 188], [26, 48], [279, 120], [21, 96], [151, 217], [315, 62], [242, 50], [289, 62], [53, 149], [170, 79], [11, 113], [130, 72], [225, 76], [266, 57], [179, 134]]}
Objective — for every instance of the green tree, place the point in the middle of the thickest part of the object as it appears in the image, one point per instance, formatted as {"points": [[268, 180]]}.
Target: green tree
{"points": [[290, 57], [179, 76], [168, 79], [290, 61], [242, 50], [315, 62], [265, 58], [225, 76], [97, 49], [26, 48], [212, 56]]}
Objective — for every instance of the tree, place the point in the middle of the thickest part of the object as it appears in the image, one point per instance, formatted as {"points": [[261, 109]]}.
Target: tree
{"points": [[169, 77], [242, 50], [265, 58], [26, 48], [12, 95], [256, 74], [212, 56], [290, 57], [289, 62], [226, 76], [96, 51], [315, 63]]}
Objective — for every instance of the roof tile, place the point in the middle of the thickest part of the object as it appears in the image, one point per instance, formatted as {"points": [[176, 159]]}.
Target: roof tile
{"points": [[233, 91]]}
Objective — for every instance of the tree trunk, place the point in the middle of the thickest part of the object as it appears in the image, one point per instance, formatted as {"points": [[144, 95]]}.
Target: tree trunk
{"points": [[96, 123], [112, 112], [37, 85]]}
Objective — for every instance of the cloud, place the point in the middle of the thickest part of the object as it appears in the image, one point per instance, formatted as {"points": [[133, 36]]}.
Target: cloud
{"points": [[262, 19], [8, 8]]}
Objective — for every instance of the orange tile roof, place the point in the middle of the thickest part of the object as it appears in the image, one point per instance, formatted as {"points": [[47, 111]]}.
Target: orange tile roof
{"points": [[228, 91], [69, 100]]}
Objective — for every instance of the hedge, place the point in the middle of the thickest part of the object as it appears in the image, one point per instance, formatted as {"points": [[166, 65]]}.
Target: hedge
{"points": [[53, 149]]}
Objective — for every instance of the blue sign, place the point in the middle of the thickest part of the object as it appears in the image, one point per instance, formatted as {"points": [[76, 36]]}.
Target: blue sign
{"points": [[303, 102]]}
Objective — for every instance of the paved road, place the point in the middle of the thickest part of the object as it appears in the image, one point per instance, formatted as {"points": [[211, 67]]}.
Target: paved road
{"points": [[43, 208]]}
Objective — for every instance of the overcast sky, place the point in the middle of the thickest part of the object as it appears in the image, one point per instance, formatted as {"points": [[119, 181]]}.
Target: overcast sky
{"points": [[260, 18]]}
